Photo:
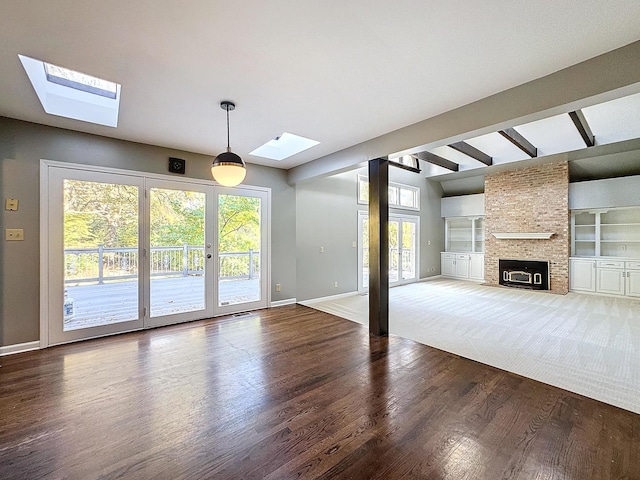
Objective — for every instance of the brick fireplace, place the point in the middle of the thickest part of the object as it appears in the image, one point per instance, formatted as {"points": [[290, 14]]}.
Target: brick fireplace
{"points": [[529, 200]]}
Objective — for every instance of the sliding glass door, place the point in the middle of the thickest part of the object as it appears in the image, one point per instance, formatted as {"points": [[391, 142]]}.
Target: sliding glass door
{"points": [[124, 252], [403, 249], [180, 260], [242, 233], [94, 249]]}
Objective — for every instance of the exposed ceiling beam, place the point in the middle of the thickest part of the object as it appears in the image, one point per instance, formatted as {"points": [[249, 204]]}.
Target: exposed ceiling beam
{"points": [[519, 141], [583, 127], [472, 152], [398, 162], [437, 160]]}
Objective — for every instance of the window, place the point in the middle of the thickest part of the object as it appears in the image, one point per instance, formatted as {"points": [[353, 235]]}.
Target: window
{"points": [[400, 196]]}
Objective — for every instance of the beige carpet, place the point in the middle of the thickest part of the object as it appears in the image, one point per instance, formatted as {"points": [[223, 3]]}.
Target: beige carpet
{"points": [[587, 344]]}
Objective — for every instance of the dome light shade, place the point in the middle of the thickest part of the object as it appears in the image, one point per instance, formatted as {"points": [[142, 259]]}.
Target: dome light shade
{"points": [[228, 169]]}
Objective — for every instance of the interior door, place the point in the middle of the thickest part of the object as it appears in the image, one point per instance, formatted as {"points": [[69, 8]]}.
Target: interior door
{"points": [[94, 246], [180, 254], [242, 246]]}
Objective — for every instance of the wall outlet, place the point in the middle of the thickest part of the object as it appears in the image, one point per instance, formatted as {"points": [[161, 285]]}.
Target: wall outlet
{"points": [[321, 249], [11, 204], [428, 242], [278, 287], [623, 247], [354, 244], [14, 234], [335, 284]]}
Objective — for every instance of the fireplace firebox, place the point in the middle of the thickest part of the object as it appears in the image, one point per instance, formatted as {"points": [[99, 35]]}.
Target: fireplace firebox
{"points": [[530, 274]]}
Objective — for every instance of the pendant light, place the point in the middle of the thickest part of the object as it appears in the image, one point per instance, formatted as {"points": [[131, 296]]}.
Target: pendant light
{"points": [[228, 169]]}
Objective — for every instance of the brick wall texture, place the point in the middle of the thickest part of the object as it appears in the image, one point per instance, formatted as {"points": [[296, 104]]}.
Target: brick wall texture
{"points": [[534, 199]]}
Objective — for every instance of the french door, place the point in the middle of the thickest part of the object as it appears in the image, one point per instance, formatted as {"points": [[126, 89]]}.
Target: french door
{"points": [[403, 249], [126, 251]]}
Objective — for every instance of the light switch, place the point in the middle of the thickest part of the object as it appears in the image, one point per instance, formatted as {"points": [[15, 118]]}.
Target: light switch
{"points": [[14, 234], [11, 204]]}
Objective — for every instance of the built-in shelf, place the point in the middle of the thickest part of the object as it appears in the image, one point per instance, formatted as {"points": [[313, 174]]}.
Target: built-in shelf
{"points": [[522, 235], [613, 232], [464, 234]]}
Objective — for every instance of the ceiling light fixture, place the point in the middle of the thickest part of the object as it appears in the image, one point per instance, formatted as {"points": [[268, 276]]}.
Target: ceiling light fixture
{"points": [[228, 169]]}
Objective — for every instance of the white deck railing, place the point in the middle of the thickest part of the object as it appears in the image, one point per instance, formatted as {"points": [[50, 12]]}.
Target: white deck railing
{"points": [[103, 263]]}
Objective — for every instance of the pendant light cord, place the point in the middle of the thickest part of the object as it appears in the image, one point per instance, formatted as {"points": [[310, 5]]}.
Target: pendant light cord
{"points": [[228, 147]]}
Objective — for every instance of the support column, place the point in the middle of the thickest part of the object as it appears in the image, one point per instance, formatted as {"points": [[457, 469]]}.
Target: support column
{"points": [[379, 247]]}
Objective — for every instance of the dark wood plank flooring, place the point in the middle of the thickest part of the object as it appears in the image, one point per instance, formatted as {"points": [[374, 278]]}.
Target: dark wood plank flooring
{"points": [[292, 392]]}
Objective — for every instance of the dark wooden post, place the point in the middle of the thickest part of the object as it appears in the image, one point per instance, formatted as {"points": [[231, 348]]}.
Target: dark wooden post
{"points": [[379, 247]]}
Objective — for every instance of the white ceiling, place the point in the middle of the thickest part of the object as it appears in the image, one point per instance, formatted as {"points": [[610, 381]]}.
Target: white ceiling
{"points": [[340, 72]]}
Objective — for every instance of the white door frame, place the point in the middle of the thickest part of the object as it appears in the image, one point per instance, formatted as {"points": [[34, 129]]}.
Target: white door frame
{"points": [[45, 169]]}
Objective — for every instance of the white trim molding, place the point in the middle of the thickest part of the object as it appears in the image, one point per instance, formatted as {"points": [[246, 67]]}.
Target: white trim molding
{"points": [[311, 301], [282, 303], [19, 348], [428, 279]]}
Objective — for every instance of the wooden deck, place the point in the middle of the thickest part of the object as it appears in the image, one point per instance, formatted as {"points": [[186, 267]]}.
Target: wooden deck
{"points": [[118, 301], [292, 392]]}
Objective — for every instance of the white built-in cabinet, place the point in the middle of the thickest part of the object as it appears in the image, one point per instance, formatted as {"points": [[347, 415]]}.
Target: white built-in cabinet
{"points": [[464, 245], [605, 246], [464, 266], [605, 276]]}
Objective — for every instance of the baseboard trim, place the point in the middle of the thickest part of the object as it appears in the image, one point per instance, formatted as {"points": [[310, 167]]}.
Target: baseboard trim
{"points": [[19, 348], [428, 279], [311, 301], [282, 303]]}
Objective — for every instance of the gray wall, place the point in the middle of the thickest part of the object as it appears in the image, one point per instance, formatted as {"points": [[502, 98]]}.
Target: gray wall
{"points": [[463, 206], [23, 145], [610, 192], [327, 216]]}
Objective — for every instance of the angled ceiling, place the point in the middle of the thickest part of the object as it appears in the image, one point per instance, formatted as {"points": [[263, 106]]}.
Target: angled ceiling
{"points": [[340, 73], [600, 124]]}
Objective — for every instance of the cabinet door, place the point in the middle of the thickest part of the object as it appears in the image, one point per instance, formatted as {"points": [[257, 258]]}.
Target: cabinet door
{"points": [[462, 266], [633, 283], [583, 275], [611, 281], [476, 267], [447, 267]]}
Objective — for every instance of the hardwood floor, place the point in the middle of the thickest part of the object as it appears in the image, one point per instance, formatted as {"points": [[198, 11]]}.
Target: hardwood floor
{"points": [[292, 392]]}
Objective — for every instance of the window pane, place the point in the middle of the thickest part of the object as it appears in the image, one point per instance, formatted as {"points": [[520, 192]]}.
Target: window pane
{"points": [[407, 198], [393, 195], [100, 254], [363, 190], [177, 254], [239, 240]]}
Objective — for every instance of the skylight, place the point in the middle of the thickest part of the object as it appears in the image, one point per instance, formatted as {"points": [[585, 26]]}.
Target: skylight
{"points": [[284, 146], [72, 94], [80, 81]]}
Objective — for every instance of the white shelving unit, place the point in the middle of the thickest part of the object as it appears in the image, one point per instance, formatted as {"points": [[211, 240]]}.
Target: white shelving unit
{"points": [[605, 248], [464, 245], [464, 234], [606, 233]]}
